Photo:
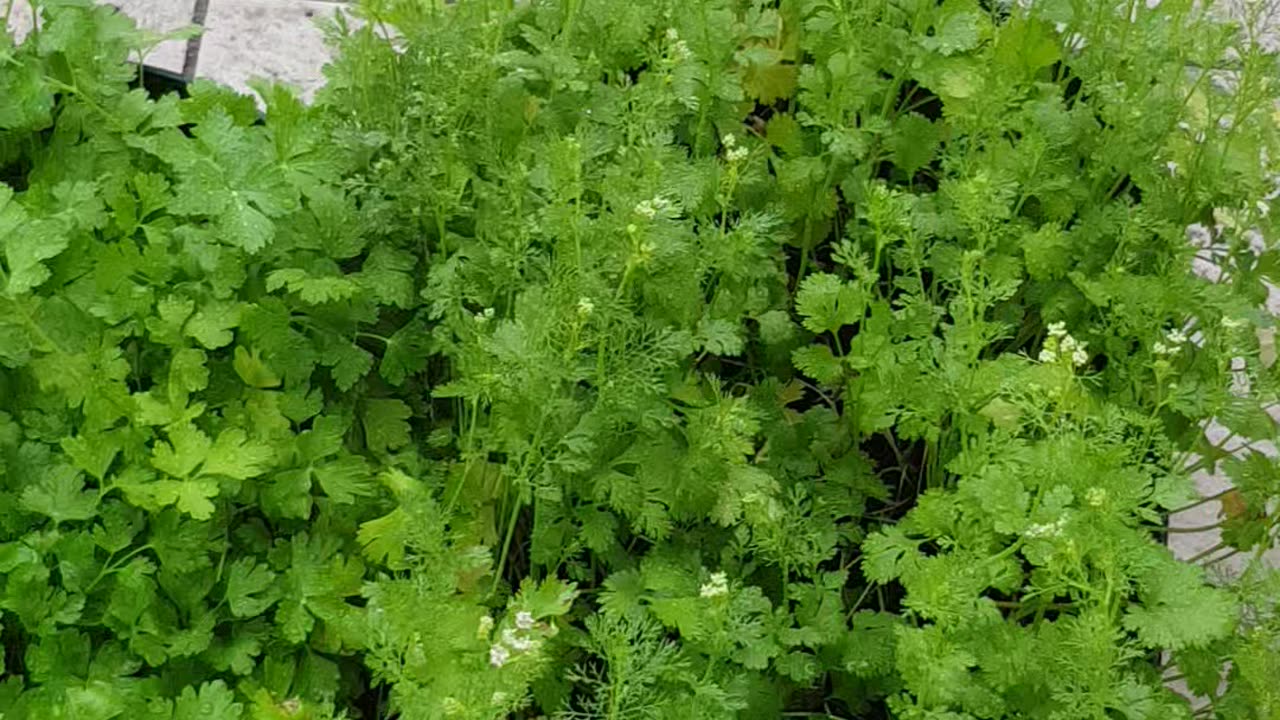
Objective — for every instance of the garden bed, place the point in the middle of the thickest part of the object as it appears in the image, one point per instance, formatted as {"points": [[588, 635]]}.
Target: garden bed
{"points": [[672, 360]]}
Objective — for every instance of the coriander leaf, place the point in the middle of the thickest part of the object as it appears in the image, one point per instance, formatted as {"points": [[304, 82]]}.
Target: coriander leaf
{"points": [[250, 588], [234, 455], [344, 479], [213, 701], [827, 303], [350, 363], [186, 449], [385, 424], [406, 353], [212, 325], [819, 363], [252, 370], [59, 494]]}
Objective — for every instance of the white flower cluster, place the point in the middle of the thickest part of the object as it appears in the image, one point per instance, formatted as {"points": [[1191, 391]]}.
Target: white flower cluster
{"points": [[1060, 344], [716, 587], [679, 48], [732, 152], [1096, 497], [585, 306], [518, 639], [1043, 530], [649, 209], [485, 316], [1173, 342], [1230, 323]]}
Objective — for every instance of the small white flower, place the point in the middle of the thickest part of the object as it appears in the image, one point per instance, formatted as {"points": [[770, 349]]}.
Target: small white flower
{"points": [[1057, 329], [485, 627], [645, 209], [516, 642], [585, 308], [1172, 167], [1176, 337], [716, 587], [1184, 127], [729, 140], [1226, 122], [1052, 529], [1068, 344], [498, 655], [1199, 236], [524, 620], [737, 154], [1160, 348], [1047, 356], [1095, 496], [1079, 357], [673, 34]]}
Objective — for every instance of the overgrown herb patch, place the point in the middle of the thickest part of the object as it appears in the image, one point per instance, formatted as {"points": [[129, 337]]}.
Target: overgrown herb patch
{"points": [[657, 359]]}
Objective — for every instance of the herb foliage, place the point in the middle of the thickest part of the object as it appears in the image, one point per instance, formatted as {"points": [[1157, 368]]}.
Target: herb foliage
{"points": [[582, 359]]}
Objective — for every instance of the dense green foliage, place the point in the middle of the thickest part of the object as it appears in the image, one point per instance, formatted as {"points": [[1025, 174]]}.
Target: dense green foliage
{"points": [[651, 359]]}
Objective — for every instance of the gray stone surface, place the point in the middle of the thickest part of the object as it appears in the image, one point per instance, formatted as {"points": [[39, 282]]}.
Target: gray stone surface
{"points": [[270, 39]]}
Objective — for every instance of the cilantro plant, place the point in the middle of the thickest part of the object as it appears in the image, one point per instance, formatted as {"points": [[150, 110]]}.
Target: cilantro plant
{"points": [[724, 358]]}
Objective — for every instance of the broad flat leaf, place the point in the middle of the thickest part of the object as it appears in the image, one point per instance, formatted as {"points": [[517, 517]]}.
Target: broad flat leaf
{"points": [[349, 363], [212, 325], [171, 315], [955, 32], [827, 303], [235, 456], [186, 449], [312, 290], [406, 353], [885, 553], [212, 702], [249, 588], [344, 479], [60, 495], [93, 452], [1178, 609], [818, 362], [187, 373], [27, 98], [719, 337], [914, 141], [192, 497], [245, 226], [27, 245], [386, 424], [288, 494], [252, 370]]}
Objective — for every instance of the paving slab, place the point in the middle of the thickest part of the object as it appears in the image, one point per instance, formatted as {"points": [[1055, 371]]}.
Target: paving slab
{"points": [[270, 39]]}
